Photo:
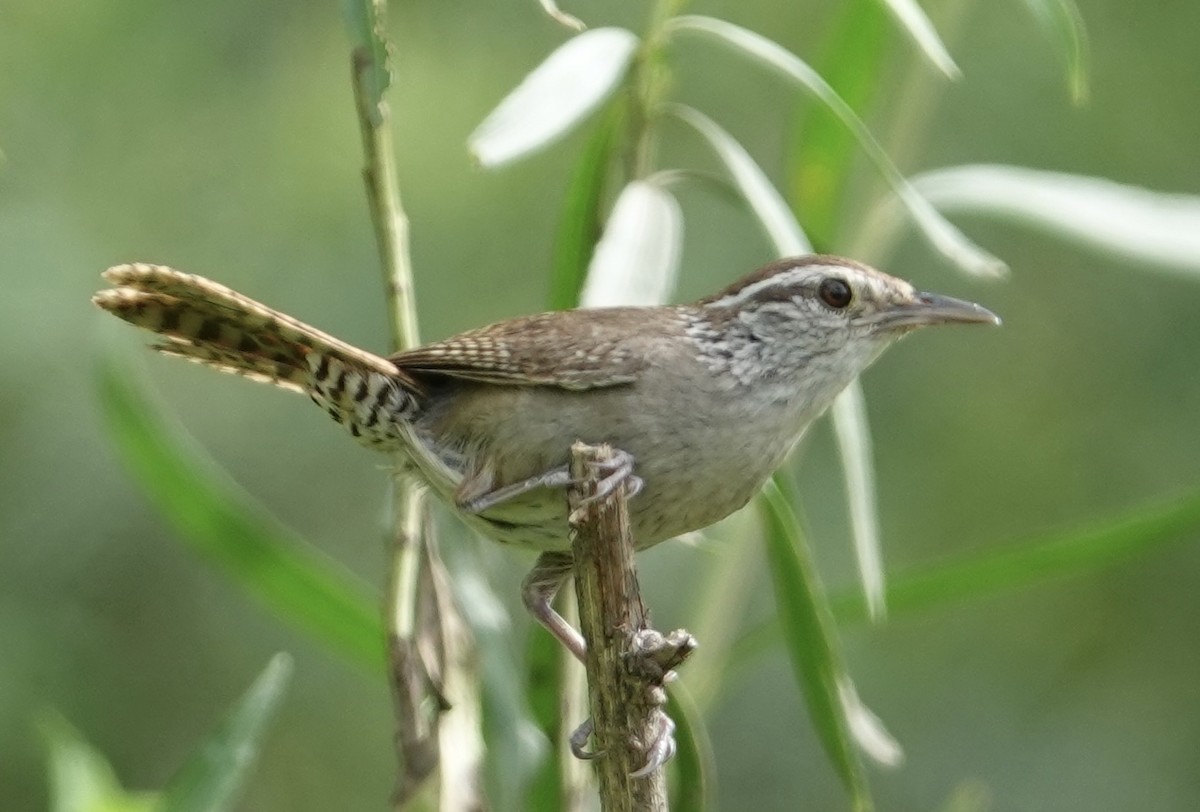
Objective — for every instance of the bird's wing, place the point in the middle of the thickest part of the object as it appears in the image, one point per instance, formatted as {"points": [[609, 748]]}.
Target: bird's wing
{"points": [[573, 350]]}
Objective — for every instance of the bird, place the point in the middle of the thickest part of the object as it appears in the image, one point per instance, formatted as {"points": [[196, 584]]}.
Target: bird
{"points": [[701, 402]]}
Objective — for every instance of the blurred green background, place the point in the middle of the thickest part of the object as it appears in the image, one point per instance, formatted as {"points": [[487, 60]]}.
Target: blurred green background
{"points": [[220, 138]]}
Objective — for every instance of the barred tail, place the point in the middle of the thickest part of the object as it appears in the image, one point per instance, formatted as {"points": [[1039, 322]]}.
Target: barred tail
{"points": [[210, 324]]}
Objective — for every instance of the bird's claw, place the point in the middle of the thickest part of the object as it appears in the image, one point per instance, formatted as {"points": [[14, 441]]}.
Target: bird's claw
{"points": [[578, 741], [616, 470], [662, 749]]}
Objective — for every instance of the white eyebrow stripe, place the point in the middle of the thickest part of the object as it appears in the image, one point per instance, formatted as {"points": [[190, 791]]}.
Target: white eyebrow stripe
{"points": [[786, 278]]}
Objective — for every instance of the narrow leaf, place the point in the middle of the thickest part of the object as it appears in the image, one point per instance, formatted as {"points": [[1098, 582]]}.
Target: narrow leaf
{"points": [[1010, 566], [221, 523], [515, 745], [1063, 24], [849, 411], [1018, 564], [212, 778], [81, 779], [1139, 224], [572, 82], [767, 205], [853, 435], [637, 259], [579, 226], [810, 638], [695, 766], [916, 24], [822, 149], [544, 690], [943, 236]]}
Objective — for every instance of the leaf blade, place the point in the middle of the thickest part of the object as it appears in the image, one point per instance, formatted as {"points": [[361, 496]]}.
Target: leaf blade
{"points": [[81, 779], [1128, 221], [212, 777], [566, 87], [822, 149], [916, 23], [765, 201], [938, 232], [637, 259], [223, 525], [810, 639], [580, 227], [853, 435], [1061, 21]]}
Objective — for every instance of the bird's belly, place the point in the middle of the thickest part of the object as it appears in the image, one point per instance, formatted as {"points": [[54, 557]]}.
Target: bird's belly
{"points": [[687, 486], [694, 472]]}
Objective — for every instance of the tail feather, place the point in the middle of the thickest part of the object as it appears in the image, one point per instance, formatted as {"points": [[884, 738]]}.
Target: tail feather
{"points": [[202, 321]]}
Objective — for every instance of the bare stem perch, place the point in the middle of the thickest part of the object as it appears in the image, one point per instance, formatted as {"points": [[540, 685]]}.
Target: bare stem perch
{"points": [[626, 662]]}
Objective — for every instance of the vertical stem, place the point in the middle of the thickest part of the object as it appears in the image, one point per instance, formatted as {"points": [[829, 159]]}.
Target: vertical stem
{"points": [[383, 199], [648, 82], [429, 646]]}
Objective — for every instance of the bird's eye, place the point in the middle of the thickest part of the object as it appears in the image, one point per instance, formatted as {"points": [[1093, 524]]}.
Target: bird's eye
{"points": [[835, 292]]}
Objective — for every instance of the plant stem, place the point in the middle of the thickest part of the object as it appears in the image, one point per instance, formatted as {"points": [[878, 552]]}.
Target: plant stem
{"points": [[387, 212], [626, 663]]}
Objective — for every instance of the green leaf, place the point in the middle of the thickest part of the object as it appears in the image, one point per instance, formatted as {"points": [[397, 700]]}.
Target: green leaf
{"points": [[210, 780], [81, 779], [1010, 566], [1014, 565], [1063, 24], [938, 232], [583, 211], [221, 523], [695, 767], [544, 686], [823, 149], [811, 639]]}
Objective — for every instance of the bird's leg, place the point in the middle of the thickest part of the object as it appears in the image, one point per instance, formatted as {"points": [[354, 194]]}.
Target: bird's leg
{"points": [[549, 573], [476, 497], [480, 502]]}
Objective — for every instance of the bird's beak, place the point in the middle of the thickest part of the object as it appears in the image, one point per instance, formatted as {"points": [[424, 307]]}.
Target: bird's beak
{"points": [[926, 309]]}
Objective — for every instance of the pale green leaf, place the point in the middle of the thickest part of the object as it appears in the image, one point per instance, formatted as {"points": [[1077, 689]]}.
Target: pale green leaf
{"points": [[1141, 225], [1063, 24], [637, 259], [81, 779], [853, 433], [212, 778], [767, 205], [694, 768], [939, 232], [822, 149], [572, 82], [916, 23]]}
